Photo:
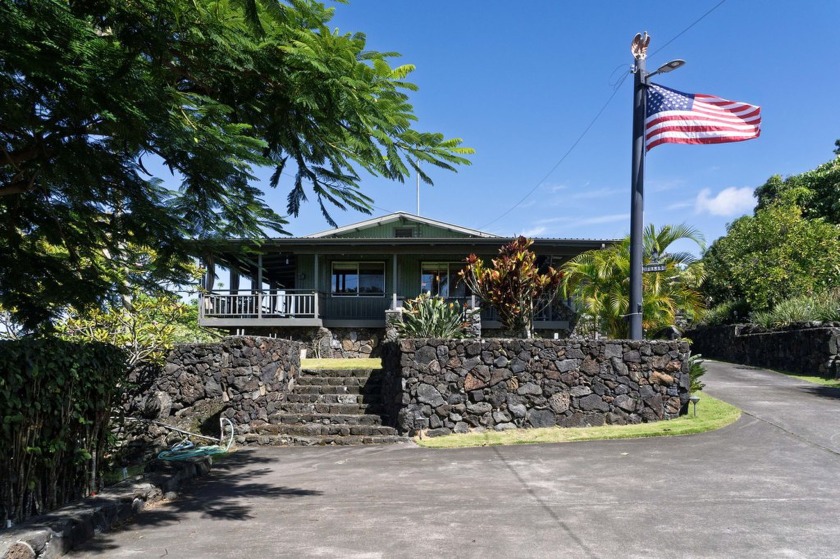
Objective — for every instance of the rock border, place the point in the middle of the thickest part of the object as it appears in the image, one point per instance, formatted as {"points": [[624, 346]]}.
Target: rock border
{"points": [[57, 533]]}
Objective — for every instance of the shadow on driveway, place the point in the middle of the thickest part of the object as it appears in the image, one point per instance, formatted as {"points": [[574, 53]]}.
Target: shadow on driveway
{"points": [[221, 495]]}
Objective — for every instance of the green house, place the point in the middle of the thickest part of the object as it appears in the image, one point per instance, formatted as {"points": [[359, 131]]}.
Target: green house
{"points": [[344, 279]]}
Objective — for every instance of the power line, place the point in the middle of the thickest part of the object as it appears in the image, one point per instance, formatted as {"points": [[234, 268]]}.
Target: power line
{"points": [[565, 155], [695, 22], [592, 122]]}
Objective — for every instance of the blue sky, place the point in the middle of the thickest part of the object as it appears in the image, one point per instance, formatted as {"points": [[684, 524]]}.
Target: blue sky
{"points": [[520, 82]]}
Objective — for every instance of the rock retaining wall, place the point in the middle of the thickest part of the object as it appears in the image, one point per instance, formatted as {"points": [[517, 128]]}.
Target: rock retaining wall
{"points": [[806, 349], [446, 386], [242, 378]]}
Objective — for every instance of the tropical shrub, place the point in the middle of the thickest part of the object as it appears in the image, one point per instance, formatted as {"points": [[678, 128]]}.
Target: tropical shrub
{"points": [[696, 369], [431, 317], [513, 285], [729, 312], [822, 307], [599, 282], [55, 401]]}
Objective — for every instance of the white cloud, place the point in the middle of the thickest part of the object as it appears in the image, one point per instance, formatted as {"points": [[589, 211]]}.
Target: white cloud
{"points": [[534, 232], [728, 202], [680, 205]]}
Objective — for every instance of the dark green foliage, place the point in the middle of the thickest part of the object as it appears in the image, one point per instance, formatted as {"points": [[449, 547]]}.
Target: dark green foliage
{"points": [[728, 312], [772, 256], [99, 101], [55, 400], [822, 307], [431, 317], [696, 369], [817, 191]]}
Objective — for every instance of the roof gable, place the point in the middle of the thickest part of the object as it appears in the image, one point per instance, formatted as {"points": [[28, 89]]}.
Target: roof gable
{"points": [[401, 224]]}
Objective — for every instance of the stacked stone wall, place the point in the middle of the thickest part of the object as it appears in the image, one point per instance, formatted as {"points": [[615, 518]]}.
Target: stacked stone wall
{"points": [[348, 343], [805, 348], [243, 378], [453, 386]]}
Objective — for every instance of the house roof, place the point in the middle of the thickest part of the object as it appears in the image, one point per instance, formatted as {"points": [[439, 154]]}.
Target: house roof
{"points": [[403, 218]]}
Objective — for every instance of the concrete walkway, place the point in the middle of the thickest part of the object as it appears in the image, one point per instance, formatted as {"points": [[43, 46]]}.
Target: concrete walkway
{"points": [[764, 487]]}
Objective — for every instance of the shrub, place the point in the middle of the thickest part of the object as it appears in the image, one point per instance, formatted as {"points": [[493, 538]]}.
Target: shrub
{"points": [[696, 369], [55, 400], [730, 312], [431, 317], [810, 308]]}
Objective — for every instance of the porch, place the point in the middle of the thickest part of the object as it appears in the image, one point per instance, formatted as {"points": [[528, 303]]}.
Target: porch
{"points": [[233, 309]]}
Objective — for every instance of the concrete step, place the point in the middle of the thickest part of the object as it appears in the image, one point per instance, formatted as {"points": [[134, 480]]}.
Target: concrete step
{"points": [[288, 440], [323, 419], [319, 430], [341, 372], [338, 381], [316, 407], [372, 399], [328, 389]]}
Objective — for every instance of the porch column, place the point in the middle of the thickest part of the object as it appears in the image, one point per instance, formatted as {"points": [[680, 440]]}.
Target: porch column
{"points": [[315, 282], [394, 282], [259, 285]]}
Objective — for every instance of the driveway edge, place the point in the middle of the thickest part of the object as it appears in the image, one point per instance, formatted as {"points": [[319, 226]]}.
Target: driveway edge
{"points": [[55, 534]]}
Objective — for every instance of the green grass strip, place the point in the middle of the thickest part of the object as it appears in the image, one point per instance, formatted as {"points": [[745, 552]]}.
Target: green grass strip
{"points": [[342, 364], [712, 414], [830, 382]]}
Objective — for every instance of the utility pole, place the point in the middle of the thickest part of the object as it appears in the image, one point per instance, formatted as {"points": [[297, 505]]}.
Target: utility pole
{"points": [[418, 189], [637, 201]]}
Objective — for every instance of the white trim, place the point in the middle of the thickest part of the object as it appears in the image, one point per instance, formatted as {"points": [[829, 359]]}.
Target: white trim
{"points": [[390, 218]]}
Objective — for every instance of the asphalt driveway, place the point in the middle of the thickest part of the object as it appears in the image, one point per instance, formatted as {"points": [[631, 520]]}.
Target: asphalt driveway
{"points": [[763, 487]]}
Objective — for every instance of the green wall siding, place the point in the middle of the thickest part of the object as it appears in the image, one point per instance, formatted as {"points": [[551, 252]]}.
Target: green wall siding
{"points": [[386, 231]]}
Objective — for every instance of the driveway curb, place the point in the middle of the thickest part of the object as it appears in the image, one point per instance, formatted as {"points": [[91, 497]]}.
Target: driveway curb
{"points": [[55, 534]]}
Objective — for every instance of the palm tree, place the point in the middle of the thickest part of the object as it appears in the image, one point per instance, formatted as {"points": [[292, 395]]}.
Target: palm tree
{"points": [[599, 282]]}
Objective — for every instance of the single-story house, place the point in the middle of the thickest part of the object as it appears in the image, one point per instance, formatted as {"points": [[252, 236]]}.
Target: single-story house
{"points": [[344, 279]]}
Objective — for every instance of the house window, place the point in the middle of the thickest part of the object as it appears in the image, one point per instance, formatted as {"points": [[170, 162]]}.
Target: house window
{"points": [[355, 279], [403, 232], [441, 278]]}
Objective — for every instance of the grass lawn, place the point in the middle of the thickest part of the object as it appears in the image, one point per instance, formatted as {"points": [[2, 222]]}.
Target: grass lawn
{"points": [[341, 364], [711, 414], [830, 382]]}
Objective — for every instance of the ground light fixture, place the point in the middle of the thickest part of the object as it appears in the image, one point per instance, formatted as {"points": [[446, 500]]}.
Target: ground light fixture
{"points": [[694, 399]]}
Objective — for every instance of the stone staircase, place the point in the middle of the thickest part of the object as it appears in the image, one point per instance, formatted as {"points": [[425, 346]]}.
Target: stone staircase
{"points": [[331, 407]]}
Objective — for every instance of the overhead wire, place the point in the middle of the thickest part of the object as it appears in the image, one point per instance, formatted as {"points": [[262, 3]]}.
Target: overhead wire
{"points": [[565, 155], [616, 87]]}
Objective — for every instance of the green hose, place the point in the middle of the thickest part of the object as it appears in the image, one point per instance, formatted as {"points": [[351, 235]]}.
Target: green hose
{"points": [[186, 450]]}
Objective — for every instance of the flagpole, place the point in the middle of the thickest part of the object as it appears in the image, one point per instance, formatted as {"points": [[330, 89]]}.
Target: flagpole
{"points": [[637, 200]]}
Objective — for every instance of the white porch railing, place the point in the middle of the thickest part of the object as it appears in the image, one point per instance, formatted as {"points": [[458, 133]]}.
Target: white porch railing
{"points": [[279, 303]]}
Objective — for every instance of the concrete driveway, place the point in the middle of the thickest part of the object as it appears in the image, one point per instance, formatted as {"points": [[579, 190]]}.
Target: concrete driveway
{"points": [[764, 487]]}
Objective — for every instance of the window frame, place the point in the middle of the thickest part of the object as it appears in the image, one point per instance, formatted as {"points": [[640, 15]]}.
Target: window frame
{"points": [[357, 264], [458, 266]]}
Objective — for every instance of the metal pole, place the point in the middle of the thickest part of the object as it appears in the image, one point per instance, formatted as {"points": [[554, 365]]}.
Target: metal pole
{"points": [[637, 204]]}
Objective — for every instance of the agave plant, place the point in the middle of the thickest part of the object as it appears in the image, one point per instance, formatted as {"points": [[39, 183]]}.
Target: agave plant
{"points": [[431, 317]]}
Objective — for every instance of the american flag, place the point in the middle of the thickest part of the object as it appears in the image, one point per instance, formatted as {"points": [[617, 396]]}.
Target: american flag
{"points": [[674, 117]]}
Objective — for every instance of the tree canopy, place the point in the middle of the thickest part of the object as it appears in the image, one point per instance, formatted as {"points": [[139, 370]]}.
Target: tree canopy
{"points": [[95, 96], [772, 256], [816, 192]]}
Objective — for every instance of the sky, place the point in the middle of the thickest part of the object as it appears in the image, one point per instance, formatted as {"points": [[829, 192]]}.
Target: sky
{"points": [[520, 82]]}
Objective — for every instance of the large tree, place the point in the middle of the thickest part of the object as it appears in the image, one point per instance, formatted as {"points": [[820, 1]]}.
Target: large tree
{"points": [[772, 256], [95, 96], [816, 192]]}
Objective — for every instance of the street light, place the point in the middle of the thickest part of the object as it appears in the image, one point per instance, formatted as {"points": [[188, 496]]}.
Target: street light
{"points": [[637, 206]]}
